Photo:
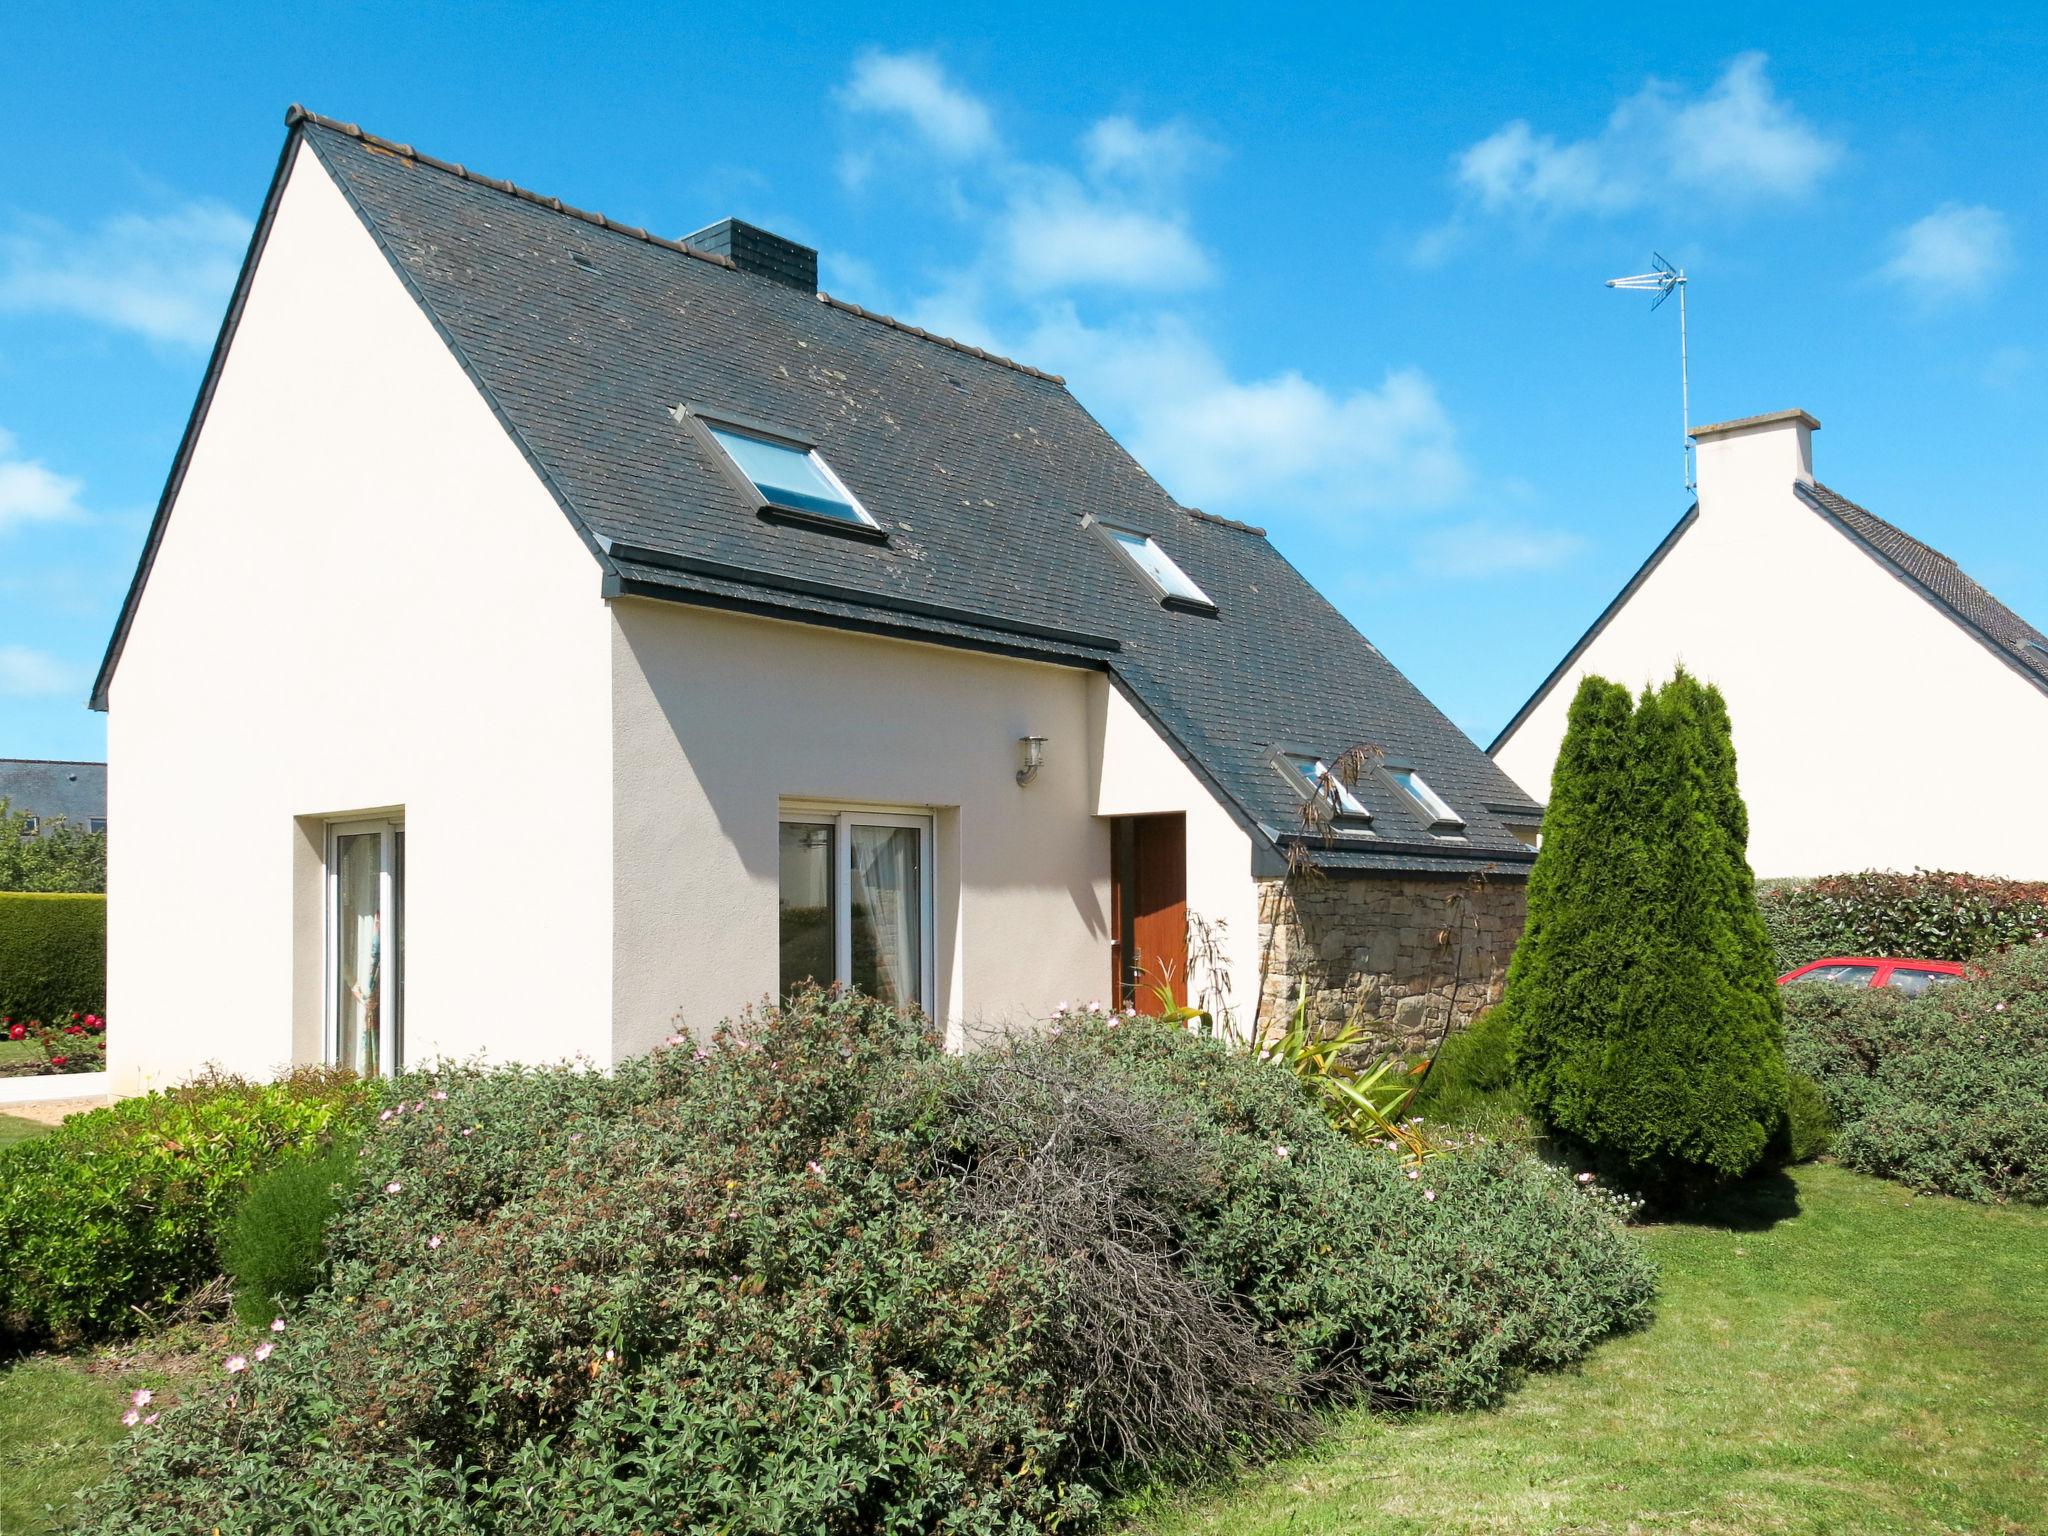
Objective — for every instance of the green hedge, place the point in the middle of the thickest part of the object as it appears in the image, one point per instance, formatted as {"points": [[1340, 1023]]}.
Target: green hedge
{"points": [[53, 955], [1928, 914], [123, 1209]]}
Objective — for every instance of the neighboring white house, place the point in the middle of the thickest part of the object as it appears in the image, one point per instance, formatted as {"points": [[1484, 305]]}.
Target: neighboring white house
{"points": [[1861, 669], [609, 631]]}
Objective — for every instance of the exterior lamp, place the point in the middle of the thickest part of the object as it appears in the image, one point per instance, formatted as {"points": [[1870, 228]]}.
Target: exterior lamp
{"points": [[1032, 748]]}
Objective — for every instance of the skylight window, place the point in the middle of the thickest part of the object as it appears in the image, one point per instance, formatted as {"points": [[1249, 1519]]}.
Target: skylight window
{"points": [[1432, 804], [790, 478], [1158, 567], [1312, 776]]}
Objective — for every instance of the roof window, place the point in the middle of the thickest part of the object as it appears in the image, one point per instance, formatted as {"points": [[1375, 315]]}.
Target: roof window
{"points": [[790, 476], [1432, 804], [1175, 587], [1311, 776]]}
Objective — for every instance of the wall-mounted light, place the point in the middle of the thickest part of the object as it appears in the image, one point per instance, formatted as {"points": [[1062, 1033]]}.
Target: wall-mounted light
{"points": [[1032, 749]]}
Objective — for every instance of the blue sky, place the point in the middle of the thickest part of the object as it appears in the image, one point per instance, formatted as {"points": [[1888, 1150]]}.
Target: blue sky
{"points": [[1338, 277]]}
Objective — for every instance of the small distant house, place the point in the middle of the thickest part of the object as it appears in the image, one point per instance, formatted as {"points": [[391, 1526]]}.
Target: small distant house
{"points": [[45, 792], [611, 632], [1888, 711]]}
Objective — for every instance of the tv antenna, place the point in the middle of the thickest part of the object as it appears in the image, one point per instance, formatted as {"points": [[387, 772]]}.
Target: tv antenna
{"points": [[1664, 280]]}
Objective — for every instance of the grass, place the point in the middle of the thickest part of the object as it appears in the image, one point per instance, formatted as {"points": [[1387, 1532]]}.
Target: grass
{"points": [[1830, 1354], [58, 1425], [21, 1053], [13, 1128]]}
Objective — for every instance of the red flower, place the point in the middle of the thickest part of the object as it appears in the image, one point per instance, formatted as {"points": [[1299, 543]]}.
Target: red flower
{"points": [[58, 1061], [74, 1029], [92, 1021], [16, 1032]]}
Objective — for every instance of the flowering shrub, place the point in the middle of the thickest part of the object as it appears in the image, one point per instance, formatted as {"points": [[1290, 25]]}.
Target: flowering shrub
{"points": [[819, 1276], [121, 1209], [1929, 914], [73, 1042], [1947, 1092]]}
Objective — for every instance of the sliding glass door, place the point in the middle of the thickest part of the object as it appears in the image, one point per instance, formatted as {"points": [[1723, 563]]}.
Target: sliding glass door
{"points": [[856, 903], [366, 946]]}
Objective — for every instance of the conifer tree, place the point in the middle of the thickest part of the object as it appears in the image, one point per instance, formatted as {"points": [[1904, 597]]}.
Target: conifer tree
{"points": [[1645, 1018]]}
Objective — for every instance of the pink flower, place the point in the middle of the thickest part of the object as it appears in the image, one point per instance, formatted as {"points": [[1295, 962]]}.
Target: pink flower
{"points": [[1585, 1178], [441, 1093], [434, 1241], [575, 1135], [263, 1350], [1429, 1194], [1283, 1153], [675, 1039], [277, 1325], [422, 1104], [1095, 1007], [151, 1418], [1414, 1173], [700, 1054], [234, 1365], [143, 1397], [814, 1170], [131, 1418], [393, 1187]]}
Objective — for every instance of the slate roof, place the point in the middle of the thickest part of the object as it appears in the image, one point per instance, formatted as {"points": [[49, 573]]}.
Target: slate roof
{"points": [[584, 336], [1941, 578]]}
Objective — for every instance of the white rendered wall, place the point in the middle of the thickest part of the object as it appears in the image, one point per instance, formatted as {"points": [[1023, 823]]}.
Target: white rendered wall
{"points": [[364, 599], [1142, 774], [1871, 730]]}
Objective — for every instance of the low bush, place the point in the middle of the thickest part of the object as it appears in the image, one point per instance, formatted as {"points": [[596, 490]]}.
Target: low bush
{"points": [[275, 1247], [121, 1210], [822, 1276], [1946, 1092], [53, 955], [1928, 914], [1809, 1122], [1472, 1066]]}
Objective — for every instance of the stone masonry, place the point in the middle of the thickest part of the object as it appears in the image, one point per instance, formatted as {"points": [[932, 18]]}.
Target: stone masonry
{"points": [[1381, 949]]}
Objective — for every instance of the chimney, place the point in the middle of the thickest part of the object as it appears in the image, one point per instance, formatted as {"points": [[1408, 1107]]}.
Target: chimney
{"points": [[755, 250], [1754, 455]]}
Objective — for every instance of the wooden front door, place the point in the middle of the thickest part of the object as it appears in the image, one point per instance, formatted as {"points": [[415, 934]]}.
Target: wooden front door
{"points": [[1148, 910]]}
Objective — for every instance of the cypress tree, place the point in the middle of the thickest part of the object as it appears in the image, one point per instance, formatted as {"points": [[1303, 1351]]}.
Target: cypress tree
{"points": [[1645, 1017]]}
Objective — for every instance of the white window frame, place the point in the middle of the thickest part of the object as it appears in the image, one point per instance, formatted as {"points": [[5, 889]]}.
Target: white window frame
{"points": [[1120, 540], [845, 818], [1346, 804], [1422, 797], [390, 982], [713, 425]]}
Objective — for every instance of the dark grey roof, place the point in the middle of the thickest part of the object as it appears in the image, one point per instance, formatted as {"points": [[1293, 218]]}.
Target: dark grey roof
{"points": [[1941, 579], [76, 791], [585, 336]]}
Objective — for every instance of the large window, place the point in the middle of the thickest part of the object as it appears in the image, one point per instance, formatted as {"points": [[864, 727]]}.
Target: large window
{"points": [[1313, 778], [856, 903], [788, 476], [1427, 800], [366, 946], [1173, 584]]}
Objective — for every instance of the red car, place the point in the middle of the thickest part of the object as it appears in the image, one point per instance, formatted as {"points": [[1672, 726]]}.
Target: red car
{"points": [[1912, 977]]}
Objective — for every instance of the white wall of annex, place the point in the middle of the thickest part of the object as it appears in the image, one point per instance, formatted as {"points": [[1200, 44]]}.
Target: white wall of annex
{"points": [[1871, 730], [364, 599]]}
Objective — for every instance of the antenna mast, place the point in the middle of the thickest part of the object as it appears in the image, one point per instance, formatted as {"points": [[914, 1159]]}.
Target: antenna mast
{"points": [[1664, 281]]}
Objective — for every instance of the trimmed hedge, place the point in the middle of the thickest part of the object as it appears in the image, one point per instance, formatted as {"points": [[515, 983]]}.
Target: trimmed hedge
{"points": [[1946, 1092], [122, 1209], [53, 955], [1928, 914]]}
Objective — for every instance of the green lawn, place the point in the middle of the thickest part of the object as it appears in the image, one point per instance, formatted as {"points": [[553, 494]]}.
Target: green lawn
{"points": [[13, 1128], [57, 1426], [21, 1053], [1870, 1362]]}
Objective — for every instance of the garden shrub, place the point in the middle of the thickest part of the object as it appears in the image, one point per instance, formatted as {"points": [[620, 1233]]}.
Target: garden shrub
{"points": [[1946, 1092], [62, 856], [1644, 1020], [822, 1276], [53, 956], [1809, 1122], [275, 1247], [122, 1209], [1472, 1065], [1927, 915]]}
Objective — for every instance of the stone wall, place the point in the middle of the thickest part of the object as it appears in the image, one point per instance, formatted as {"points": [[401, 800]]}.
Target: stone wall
{"points": [[1381, 948]]}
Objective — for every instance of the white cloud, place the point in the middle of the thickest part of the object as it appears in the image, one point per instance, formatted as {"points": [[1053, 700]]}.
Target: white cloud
{"points": [[163, 276], [32, 674], [1481, 549], [1736, 142], [1057, 235], [913, 88], [1220, 441], [1955, 252], [32, 493], [1121, 148]]}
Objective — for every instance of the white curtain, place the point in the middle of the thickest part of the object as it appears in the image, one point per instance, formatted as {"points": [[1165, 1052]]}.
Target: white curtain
{"points": [[359, 898], [888, 914]]}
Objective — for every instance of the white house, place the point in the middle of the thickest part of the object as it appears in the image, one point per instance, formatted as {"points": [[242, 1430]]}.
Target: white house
{"points": [[1857, 663], [610, 631]]}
